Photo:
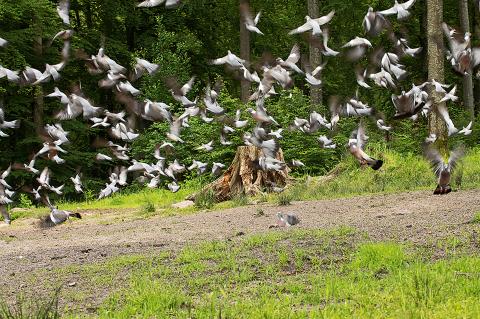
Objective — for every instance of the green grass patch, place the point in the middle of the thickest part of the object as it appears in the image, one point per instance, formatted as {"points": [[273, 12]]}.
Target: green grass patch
{"points": [[293, 273], [299, 274], [400, 173]]}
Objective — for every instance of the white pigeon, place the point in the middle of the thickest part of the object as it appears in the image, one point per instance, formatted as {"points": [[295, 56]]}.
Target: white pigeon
{"points": [[400, 9], [467, 130]]}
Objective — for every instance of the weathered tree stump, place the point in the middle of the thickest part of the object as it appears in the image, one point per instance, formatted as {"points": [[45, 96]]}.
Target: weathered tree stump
{"points": [[243, 177]]}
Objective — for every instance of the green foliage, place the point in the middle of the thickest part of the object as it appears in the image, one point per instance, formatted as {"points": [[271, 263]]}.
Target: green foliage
{"points": [[38, 309], [476, 218], [24, 201], [205, 199], [182, 42]]}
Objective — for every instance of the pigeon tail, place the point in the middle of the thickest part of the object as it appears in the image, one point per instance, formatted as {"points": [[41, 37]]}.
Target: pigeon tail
{"points": [[76, 215], [375, 164]]}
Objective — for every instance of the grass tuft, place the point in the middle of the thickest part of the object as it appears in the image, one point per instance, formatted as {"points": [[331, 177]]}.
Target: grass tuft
{"points": [[205, 199], [284, 199], [23, 309], [476, 218]]}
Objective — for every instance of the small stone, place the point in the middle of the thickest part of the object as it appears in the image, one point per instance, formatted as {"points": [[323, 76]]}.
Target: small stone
{"points": [[72, 284], [409, 226], [240, 233], [183, 204]]}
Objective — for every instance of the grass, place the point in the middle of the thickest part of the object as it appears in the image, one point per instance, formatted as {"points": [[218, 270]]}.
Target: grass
{"points": [[294, 273], [400, 173], [24, 309], [476, 218]]}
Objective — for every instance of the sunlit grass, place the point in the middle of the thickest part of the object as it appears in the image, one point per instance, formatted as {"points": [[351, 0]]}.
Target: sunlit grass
{"points": [[293, 274], [400, 173]]}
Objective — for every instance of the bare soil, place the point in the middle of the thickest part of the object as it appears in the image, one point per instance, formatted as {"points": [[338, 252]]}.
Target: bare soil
{"points": [[417, 217]]}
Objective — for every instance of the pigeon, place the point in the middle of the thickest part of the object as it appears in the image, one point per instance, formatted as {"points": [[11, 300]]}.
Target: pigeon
{"points": [[443, 170], [443, 111], [217, 168], [173, 186], [174, 133], [296, 163], [292, 60], [3, 43], [450, 96], [4, 212], [206, 147], [102, 157], [381, 125], [56, 216], [356, 144], [143, 66], [230, 59], [63, 9], [405, 105], [325, 142], [467, 130], [313, 24], [439, 87], [361, 75], [153, 3], [249, 21], [77, 183], [64, 35], [201, 167], [400, 9], [374, 22], [287, 220]]}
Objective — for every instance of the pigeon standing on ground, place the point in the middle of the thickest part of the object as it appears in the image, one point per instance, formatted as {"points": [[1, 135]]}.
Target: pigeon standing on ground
{"points": [[443, 170], [287, 220], [56, 216]]}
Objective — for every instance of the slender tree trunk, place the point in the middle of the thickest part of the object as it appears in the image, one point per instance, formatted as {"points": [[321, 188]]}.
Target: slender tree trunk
{"points": [[38, 91], [244, 53], [88, 15], [467, 79], [476, 35], [435, 63], [76, 10], [316, 97]]}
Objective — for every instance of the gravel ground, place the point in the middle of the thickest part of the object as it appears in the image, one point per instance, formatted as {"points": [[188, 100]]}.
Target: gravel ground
{"points": [[417, 217]]}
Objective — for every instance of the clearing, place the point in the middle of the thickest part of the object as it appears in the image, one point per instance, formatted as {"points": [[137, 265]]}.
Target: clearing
{"points": [[30, 257]]}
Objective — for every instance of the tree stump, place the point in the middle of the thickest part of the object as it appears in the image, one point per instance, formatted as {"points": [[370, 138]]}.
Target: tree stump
{"points": [[242, 177]]}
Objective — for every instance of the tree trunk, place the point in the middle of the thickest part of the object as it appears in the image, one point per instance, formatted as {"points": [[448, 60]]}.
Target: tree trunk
{"points": [[88, 15], [435, 63], [476, 35], [315, 56], [244, 52], [38, 90], [76, 10], [243, 178], [467, 79]]}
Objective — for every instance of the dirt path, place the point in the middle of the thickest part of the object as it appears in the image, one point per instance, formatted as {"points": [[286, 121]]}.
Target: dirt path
{"points": [[417, 217]]}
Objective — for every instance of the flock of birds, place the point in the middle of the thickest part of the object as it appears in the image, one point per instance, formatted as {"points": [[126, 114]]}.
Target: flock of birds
{"points": [[386, 71]]}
